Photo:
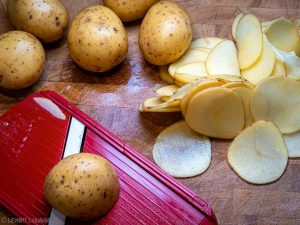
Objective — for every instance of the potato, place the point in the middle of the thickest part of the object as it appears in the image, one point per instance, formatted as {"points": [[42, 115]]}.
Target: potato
{"points": [[129, 10], [205, 43], [97, 39], [82, 185], [47, 19], [165, 33], [22, 59]]}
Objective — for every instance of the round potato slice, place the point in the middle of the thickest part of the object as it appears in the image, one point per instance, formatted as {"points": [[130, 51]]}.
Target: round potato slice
{"points": [[193, 69], [258, 154], [292, 142], [216, 112], [279, 68], [235, 23], [277, 99], [206, 42], [181, 152], [234, 84], [166, 90]]}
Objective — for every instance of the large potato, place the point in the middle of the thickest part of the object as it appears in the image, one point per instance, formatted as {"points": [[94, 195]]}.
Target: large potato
{"points": [[45, 19], [82, 185], [131, 9], [22, 59], [97, 39], [165, 34]]}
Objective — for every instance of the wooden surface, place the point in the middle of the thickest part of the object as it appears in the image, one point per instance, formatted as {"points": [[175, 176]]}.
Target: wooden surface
{"points": [[112, 99]]}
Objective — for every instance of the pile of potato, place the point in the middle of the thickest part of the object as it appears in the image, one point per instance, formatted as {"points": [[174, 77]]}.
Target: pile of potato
{"points": [[247, 91]]}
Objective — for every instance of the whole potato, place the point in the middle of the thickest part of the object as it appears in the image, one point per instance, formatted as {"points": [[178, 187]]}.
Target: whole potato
{"points": [[45, 19], [97, 39], [82, 185], [129, 10], [165, 34], [22, 59]]}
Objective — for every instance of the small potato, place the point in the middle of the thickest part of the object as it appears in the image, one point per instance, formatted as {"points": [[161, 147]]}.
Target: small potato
{"points": [[129, 10], [82, 185], [22, 59], [165, 34], [45, 19], [97, 39]]}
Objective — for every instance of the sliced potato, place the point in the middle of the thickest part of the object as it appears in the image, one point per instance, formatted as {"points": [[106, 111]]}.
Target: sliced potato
{"points": [[216, 112], [164, 75], [206, 42], [246, 94], [223, 59], [196, 88], [297, 24], [186, 78], [283, 34], [234, 84], [159, 109], [227, 78], [194, 69], [263, 66], [157, 105], [166, 91], [258, 154], [181, 152], [235, 23], [292, 142], [192, 55], [249, 40], [180, 83], [279, 68], [277, 99], [292, 65]]}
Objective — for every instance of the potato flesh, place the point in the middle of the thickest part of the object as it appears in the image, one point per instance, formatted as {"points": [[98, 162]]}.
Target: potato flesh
{"points": [[235, 23], [207, 42], [249, 40], [223, 59], [166, 90], [292, 65], [279, 69], [165, 76], [277, 99], [216, 112], [263, 66], [194, 69], [292, 142], [258, 154], [181, 152]]}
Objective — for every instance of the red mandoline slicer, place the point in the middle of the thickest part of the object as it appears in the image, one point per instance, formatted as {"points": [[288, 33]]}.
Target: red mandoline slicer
{"points": [[33, 139]]}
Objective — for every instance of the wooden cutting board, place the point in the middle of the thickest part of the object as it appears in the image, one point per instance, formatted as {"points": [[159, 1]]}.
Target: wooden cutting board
{"points": [[112, 99]]}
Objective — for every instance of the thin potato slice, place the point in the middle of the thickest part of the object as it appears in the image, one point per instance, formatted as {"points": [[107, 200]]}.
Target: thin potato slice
{"points": [[227, 78], [235, 23], [258, 154], [283, 34], [164, 75], [246, 94], [234, 84], [196, 88], [249, 40], [163, 109], [207, 42], [292, 142], [186, 78], [157, 102], [297, 24], [166, 91], [193, 69], [223, 59], [180, 83], [279, 69], [277, 99], [263, 67], [216, 112], [181, 152], [192, 55], [292, 65]]}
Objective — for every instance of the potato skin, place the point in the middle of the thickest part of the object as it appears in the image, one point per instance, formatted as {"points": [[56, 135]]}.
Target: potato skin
{"points": [[129, 10], [165, 33], [45, 19], [83, 185], [22, 59]]}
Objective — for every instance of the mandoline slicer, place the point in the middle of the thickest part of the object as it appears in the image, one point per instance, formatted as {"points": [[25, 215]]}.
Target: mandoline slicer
{"points": [[35, 135]]}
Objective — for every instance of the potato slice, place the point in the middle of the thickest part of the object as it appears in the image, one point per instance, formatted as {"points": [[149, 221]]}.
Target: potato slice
{"points": [[195, 69], [249, 40], [227, 78], [279, 68], [283, 34], [166, 91], [223, 59], [263, 66], [160, 109], [277, 99], [216, 112], [180, 83], [297, 24], [196, 88], [258, 154], [181, 152], [292, 142], [164, 75], [206, 42], [234, 84], [186, 78], [192, 55], [292, 65], [246, 94], [157, 105], [235, 23]]}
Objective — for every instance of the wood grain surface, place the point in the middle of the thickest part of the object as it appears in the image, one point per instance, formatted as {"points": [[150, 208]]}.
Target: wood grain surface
{"points": [[112, 99]]}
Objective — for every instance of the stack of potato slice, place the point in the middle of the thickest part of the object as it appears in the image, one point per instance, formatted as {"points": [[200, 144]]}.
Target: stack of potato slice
{"points": [[248, 92]]}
